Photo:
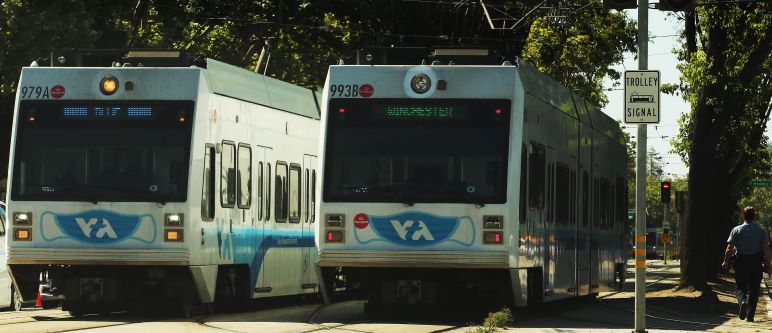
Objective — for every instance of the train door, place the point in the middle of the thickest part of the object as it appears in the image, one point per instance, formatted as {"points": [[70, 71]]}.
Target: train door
{"points": [[584, 204], [228, 197], [260, 215], [244, 196], [307, 234]]}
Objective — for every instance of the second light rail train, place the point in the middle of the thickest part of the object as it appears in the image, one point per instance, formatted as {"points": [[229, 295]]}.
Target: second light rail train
{"points": [[467, 184]]}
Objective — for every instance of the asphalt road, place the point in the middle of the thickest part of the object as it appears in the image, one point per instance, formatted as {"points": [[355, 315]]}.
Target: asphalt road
{"points": [[610, 312]]}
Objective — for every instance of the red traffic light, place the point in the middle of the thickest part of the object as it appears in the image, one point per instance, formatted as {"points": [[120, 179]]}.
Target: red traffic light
{"points": [[665, 185]]}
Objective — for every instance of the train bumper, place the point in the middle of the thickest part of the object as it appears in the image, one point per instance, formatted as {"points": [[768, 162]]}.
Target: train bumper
{"points": [[98, 257], [417, 259]]}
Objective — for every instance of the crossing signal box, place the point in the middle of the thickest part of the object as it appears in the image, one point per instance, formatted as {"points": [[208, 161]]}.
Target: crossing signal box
{"points": [[676, 5], [620, 4], [664, 190]]}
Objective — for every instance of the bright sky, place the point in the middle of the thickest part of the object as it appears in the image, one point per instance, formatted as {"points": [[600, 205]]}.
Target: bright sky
{"points": [[664, 32]]}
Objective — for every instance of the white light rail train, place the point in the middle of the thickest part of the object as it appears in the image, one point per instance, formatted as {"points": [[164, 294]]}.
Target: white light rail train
{"points": [[467, 184], [141, 178]]}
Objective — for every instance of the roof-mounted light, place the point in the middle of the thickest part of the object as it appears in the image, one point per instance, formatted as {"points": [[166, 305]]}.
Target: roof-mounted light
{"points": [[109, 85], [421, 83]]}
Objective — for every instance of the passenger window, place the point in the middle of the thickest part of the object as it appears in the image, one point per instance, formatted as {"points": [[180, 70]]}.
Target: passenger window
{"points": [[294, 193], [228, 175], [306, 197], [268, 193], [282, 193], [562, 192], [260, 191], [585, 199], [523, 182], [313, 196], [245, 176], [207, 188], [536, 176]]}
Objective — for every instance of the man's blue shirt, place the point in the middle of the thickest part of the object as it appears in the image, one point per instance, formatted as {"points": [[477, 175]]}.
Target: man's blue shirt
{"points": [[747, 238]]}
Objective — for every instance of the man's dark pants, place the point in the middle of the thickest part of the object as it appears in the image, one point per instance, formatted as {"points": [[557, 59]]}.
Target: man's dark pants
{"points": [[747, 276]]}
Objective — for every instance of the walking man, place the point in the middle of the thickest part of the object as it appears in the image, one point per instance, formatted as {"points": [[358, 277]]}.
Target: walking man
{"points": [[750, 245]]}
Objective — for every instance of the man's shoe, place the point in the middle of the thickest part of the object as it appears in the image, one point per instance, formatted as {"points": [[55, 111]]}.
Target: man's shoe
{"points": [[743, 310], [749, 319]]}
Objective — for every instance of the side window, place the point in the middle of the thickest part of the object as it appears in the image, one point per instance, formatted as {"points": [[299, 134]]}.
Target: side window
{"points": [[207, 187], [228, 175], [561, 194], [2, 221], [260, 190], [245, 176], [523, 182], [294, 193], [536, 176], [585, 199], [573, 198], [313, 196], [621, 202], [268, 193], [281, 191], [306, 196]]}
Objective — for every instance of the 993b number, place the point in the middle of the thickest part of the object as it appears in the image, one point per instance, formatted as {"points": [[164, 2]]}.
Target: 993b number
{"points": [[344, 90]]}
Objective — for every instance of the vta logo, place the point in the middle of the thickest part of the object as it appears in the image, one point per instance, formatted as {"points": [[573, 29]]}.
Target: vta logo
{"points": [[105, 229], [411, 230]]}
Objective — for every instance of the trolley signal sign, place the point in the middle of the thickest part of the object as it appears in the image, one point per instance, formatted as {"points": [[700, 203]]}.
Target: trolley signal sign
{"points": [[642, 97]]}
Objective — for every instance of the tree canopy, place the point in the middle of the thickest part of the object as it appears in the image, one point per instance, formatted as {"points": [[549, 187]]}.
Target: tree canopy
{"points": [[726, 72]]}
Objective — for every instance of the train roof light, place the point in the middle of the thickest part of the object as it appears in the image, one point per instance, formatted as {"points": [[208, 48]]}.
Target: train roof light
{"points": [[421, 83], [109, 85]]}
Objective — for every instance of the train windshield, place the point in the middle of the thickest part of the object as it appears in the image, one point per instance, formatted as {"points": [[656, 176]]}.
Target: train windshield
{"points": [[410, 151], [129, 151]]}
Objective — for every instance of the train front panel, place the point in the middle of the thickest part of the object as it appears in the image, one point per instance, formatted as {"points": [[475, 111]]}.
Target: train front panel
{"points": [[417, 170]]}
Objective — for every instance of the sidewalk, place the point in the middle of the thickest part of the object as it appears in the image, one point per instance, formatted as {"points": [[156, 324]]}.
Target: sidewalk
{"points": [[667, 310]]}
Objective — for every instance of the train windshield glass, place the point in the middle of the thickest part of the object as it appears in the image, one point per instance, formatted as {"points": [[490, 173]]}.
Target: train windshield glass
{"points": [[129, 151], [409, 151]]}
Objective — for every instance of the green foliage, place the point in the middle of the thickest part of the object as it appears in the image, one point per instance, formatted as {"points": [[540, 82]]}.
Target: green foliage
{"points": [[495, 321], [579, 54], [307, 36], [725, 78]]}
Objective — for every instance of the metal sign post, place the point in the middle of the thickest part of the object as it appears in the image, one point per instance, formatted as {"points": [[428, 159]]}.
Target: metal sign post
{"points": [[640, 173]]}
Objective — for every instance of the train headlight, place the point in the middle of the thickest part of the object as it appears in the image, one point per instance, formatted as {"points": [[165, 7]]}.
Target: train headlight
{"points": [[335, 220], [22, 218], [174, 219], [22, 234], [421, 83], [173, 235], [493, 222], [109, 85]]}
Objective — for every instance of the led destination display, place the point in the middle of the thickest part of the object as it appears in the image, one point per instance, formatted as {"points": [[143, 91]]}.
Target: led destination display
{"points": [[419, 111]]}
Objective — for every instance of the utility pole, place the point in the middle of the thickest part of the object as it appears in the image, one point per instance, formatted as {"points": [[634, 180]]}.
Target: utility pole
{"points": [[640, 181]]}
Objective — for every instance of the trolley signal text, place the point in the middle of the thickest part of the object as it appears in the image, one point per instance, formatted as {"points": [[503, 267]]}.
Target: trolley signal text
{"points": [[642, 97]]}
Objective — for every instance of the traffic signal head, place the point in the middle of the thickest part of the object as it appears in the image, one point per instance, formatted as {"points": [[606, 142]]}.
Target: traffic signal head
{"points": [[664, 190], [620, 4], [675, 5]]}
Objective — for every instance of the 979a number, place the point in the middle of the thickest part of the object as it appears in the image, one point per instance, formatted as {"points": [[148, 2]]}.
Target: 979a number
{"points": [[344, 90], [34, 92]]}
